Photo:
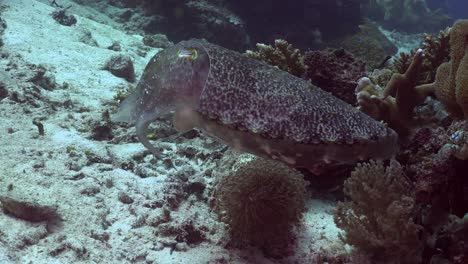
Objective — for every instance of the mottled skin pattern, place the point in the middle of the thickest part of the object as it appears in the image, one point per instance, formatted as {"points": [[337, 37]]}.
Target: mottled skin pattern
{"points": [[250, 95], [253, 107]]}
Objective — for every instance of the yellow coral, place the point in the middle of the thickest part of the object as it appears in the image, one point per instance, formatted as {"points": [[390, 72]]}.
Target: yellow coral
{"points": [[458, 42], [444, 91], [461, 84], [451, 85]]}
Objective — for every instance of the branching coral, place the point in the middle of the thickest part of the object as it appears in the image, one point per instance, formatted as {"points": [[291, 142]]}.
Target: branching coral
{"points": [[261, 202], [378, 219], [395, 104], [283, 55], [402, 62], [436, 51]]}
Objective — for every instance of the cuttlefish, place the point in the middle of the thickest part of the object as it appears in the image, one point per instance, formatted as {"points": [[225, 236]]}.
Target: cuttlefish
{"points": [[253, 107]]}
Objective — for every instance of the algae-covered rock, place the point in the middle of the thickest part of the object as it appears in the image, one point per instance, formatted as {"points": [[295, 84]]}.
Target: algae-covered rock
{"points": [[369, 44], [28, 210]]}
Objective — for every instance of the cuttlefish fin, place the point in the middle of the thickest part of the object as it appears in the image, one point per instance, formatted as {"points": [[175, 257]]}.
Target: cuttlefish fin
{"points": [[142, 131]]}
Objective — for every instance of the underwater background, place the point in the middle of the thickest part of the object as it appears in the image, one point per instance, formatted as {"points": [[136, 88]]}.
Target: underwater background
{"points": [[234, 131]]}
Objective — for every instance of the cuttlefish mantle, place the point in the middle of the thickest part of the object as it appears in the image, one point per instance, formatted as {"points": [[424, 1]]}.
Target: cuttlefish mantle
{"points": [[253, 107]]}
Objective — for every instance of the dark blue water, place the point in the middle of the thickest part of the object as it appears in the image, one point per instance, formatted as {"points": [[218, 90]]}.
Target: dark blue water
{"points": [[454, 8]]}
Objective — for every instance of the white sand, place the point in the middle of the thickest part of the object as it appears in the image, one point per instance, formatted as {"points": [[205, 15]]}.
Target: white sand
{"points": [[54, 169]]}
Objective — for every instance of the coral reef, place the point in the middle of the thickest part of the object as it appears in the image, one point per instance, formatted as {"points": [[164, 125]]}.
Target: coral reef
{"points": [[213, 20], [436, 51], [368, 44], [239, 24], [440, 189], [436, 182], [451, 240], [458, 139], [428, 164], [185, 19], [283, 55], [406, 15], [306, 23], [261, 202], [335, 71], [378, 219], [395, 104]]}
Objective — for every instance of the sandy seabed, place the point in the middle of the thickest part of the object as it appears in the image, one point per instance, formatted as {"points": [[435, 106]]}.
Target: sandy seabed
{"points": [[114, 203]]}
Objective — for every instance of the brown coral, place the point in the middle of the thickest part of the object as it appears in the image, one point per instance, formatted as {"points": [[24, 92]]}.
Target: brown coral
{"points": [[436, 51], [451, 85], [461, 84], [283, 55], [401, 63], [261, 202], [395, 103], [444, 91], [378, 219]]}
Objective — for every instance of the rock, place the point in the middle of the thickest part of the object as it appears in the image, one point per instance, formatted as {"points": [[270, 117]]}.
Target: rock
{"points": [[121, 66], [157, 41], [63, 17], [28, 210], [368, 44]]}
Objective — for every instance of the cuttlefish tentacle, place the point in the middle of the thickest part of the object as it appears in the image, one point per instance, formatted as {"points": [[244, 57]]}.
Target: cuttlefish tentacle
{"points": [[142, 132]]}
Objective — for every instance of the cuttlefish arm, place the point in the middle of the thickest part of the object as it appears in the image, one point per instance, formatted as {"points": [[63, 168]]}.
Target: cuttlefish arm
{"points": [[142, 132], [171, 83]]}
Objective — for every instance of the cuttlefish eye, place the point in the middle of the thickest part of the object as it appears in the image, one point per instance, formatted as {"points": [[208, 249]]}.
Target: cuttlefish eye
{"points": [[190, 54]]}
